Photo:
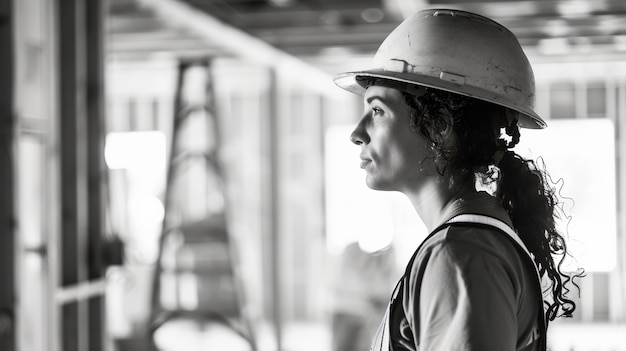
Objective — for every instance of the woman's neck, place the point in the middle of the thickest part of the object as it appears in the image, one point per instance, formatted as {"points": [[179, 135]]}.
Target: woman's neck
{"points": [[431, 201], [435, 203]]}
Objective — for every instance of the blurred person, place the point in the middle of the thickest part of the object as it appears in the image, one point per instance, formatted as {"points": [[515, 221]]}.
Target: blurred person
{"points": [[361, 290], [444, 105]]}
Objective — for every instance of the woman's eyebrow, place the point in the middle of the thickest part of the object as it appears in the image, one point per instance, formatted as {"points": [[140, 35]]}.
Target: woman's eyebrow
{"points": [[369, 99]]}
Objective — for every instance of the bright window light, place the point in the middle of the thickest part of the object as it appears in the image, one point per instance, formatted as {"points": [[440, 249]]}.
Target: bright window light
{"points": [[147, 208], [125, 150], [582, 154], [188, 290]]}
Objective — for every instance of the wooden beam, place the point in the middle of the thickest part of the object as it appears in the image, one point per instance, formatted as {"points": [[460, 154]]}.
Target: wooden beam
{"points": [[81, 291], [81, 93], [271, 144], [133, 23], [241, 44], [73, 185], [159, 41], [95, 12], [7, 184]]}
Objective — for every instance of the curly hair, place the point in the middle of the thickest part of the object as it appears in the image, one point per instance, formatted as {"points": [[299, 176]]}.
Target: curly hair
{"points": [[487, 133]]}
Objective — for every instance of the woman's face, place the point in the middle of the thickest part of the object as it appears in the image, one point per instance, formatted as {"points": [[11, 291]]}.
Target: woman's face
{"points": [[391, 153]]}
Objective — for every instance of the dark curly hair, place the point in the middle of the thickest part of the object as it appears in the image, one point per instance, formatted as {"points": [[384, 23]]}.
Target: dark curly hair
{"points": [[486, 133]]}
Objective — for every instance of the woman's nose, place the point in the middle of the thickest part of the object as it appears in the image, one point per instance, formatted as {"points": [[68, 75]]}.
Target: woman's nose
{"points": [[359, 134]]}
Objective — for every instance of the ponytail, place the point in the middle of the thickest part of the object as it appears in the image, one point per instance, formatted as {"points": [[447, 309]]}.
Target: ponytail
{"points": [[525, 192]]}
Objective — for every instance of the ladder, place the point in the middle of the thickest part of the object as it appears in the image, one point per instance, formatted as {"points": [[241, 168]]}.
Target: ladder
{"points": [[195, 241]]}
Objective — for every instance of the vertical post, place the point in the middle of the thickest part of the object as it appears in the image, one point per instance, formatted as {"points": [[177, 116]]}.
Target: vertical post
{"points": [[94, 25], [7, 210], [273, 200], [620, 143], [74, 170]]}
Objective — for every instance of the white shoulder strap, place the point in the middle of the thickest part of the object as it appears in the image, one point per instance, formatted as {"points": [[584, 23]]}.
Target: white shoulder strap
{"points": [[474, 218]]}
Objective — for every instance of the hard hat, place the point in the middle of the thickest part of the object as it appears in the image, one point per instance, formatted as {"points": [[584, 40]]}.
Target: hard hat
{"points": [[456, 51]]}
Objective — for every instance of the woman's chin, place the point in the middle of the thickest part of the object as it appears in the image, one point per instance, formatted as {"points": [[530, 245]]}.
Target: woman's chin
{"points": [[377, 184]]}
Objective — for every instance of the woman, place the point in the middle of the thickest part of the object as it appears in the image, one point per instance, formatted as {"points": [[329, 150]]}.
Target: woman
{"points": [[444, 103]]}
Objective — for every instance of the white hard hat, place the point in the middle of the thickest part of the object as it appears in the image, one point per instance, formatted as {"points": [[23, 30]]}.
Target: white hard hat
{"points": [[456, 51]]}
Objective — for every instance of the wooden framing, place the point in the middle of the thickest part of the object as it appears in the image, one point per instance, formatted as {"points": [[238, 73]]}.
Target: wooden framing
{"points": [[7, 167], [81, 142]]}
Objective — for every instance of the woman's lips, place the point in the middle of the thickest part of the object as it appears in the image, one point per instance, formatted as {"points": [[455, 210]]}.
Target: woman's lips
{"points": [[365, 162]]}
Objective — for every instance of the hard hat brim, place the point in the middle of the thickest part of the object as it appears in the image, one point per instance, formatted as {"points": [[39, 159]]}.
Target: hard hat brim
{"points": [[352, 82]]}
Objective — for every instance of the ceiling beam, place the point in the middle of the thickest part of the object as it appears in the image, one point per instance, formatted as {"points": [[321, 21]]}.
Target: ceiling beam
{"points": [[243, 45], [160, 42]]}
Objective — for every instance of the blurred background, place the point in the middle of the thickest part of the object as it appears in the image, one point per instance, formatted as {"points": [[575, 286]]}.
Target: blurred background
{"points": [[177, 174]]}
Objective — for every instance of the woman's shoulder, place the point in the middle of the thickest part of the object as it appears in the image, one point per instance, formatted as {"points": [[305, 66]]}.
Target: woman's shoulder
{"points": [[461, 243]]}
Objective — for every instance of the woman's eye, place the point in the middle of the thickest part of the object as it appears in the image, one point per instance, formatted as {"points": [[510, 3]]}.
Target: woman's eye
{"points": [[377, 110]]}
